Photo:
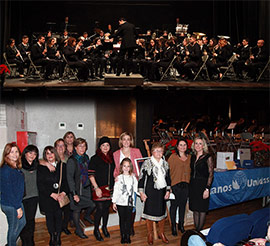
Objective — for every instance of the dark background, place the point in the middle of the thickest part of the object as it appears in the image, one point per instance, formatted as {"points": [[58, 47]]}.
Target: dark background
{"points": [[236, 19]]}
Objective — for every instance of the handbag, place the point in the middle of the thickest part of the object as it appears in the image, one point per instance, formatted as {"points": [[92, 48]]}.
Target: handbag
{"points": [[65, 200], [106, 192]]}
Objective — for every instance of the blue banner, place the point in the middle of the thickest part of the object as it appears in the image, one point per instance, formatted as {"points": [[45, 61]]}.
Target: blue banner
{"points": [[237, 186]]}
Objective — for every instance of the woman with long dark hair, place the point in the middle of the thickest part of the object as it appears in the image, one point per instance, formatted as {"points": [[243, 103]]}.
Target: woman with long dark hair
{"points": [[101, 170], [51, 191], [179, 163], [12, 191], [29, 168]]}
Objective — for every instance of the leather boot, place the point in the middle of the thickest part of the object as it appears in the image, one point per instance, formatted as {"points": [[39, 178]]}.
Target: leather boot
{"points": [[161, 234], [52, 239], [128, 241], [123, 238], [132, 233], [58, 239], [98, 235], [174, 231], [149, 224]]}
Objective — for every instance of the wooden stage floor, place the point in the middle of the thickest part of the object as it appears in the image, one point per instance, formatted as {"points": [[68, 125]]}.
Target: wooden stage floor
{"points": [[42, 236], [120, 83]]}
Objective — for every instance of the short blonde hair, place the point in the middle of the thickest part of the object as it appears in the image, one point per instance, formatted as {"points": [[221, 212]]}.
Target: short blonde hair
{"points": [[120, 143], [205, 147], [156, 146]]}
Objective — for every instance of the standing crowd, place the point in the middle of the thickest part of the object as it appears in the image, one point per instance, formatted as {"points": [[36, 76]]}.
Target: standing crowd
{"points": [[66, 182]]}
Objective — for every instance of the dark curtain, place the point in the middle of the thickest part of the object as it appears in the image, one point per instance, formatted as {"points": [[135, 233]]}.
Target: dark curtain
{"points": [[5, 25]]}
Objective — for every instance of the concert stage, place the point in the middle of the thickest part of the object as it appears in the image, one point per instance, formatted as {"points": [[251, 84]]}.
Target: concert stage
{"points": [[112, 82]]}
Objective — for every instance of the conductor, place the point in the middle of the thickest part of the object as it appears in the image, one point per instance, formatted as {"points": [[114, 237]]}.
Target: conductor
{"points": [[128, 34]]}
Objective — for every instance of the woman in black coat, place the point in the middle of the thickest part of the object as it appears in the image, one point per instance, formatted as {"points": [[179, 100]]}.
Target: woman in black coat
{"points": [[101, 170], [79, 184], [48, 187]]}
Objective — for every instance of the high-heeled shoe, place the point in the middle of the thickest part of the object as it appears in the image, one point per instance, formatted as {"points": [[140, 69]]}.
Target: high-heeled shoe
{"points": [[105, 231], [98, 235]]}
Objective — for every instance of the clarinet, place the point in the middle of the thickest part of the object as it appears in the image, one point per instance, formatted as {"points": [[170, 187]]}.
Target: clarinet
{"points": [[18, 53]]}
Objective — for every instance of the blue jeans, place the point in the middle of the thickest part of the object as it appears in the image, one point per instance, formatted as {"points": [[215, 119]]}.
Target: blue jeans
{"points": [[15, 225]]}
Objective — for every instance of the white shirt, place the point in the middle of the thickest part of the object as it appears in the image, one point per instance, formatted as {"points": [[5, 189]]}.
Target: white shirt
{"points": [[123, 189]]}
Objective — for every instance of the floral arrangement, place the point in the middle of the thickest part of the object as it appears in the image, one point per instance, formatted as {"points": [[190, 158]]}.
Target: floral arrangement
{"points": [[261, 153], [4, 69], [170, 147]]}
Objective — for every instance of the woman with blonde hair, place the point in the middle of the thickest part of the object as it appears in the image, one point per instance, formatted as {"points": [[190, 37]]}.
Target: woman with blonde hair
{"points": [[202, 171], [12, 191]]}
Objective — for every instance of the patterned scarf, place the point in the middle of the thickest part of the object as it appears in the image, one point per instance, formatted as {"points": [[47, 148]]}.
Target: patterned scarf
{"points": [[83, 161]]}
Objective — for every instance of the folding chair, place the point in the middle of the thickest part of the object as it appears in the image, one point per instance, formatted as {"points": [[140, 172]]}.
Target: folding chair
{"points": [[229, 68], [11, 66], [203, 68], [69, 71], [169, 69], [33, 69], [267, 66]]}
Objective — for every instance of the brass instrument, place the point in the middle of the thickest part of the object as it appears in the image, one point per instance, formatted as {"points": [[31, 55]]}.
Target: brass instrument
{"points": [[214, 59], [199, 34], [187, 56], [18, 52]]}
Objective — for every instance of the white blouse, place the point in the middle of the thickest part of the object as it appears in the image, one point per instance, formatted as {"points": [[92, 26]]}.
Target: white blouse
{"points": [[125, 186]]}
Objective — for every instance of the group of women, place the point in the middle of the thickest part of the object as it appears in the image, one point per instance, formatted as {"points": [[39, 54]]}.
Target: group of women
{"points": [[94, 183]]}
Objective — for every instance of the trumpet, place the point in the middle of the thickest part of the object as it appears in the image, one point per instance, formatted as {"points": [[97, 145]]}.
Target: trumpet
{"points": [[18, 52]]}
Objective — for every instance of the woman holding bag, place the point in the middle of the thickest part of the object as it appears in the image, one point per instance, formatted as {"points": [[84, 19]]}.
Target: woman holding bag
{"points": [[101, 170], [52, 188]]}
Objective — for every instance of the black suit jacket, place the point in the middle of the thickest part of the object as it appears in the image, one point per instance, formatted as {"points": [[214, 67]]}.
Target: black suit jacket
{"points": [[128, 33], [36, 52]]}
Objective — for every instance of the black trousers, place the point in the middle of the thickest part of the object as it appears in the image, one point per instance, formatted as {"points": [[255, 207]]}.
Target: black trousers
{"points": [[54, 221], [27, 233], [125, 219], [122, 61], [180, 191], [66, 216]]}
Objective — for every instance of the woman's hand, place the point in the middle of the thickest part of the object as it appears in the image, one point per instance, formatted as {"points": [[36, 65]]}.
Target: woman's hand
{"points": [[114, 207], [167, 195], [61, 195], [54, 196], [76, 198], [19, 213], [98, 192], [206, 194], [143, 196]]}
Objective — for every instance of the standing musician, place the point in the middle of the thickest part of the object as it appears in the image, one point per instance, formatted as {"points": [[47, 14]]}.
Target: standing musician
{"points": [[243, 54], [39, 56], [193, 57], [128, 33], [257, 60], [14, 56]]}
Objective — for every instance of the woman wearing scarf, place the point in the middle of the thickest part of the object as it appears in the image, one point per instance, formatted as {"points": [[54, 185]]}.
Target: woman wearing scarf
{"points": [[29, 168], [79, 183], [154, 187], [101, 170]]}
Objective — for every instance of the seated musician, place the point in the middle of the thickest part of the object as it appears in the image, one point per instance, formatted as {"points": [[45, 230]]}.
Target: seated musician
{"points": [[243, 54], [14, 56], [193, 58], [72, 53], [221, 53], [54, 54], [165, 60], [98, 55], [24, 48], [257, 60], [139, 57], [39, 57]]}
